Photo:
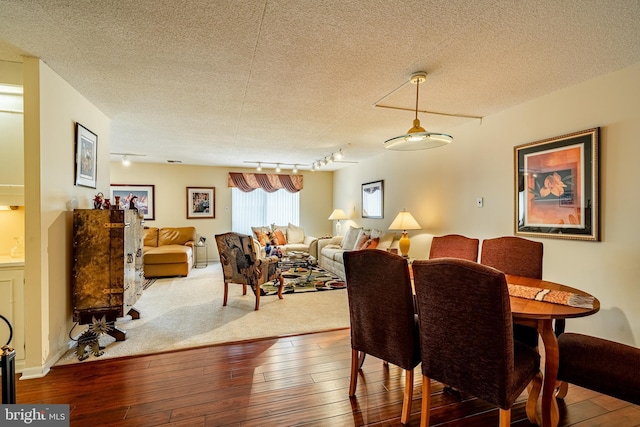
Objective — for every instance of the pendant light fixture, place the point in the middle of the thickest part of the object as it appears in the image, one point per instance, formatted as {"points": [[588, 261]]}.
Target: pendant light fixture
{"points": [[417, 138]]}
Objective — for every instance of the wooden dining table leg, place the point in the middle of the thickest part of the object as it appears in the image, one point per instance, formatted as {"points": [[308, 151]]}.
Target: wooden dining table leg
{"points": [[550, 412]]}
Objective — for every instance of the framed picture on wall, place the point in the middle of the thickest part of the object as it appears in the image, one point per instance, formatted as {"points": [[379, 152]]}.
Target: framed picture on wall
{"points": [[140, 197], [86, 157], [556, 187], [373, 200], [201, 202]]}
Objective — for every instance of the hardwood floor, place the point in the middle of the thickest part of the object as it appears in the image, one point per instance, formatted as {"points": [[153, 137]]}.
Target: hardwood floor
{"points": [[298, 380]]}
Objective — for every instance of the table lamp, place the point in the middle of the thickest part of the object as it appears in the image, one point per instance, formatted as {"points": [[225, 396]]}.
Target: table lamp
{"points": [[338, 214], [404, 221]]}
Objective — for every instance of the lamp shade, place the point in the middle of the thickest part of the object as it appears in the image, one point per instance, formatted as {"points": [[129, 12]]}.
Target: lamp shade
{"points": [[337, 214], [404, 221]]}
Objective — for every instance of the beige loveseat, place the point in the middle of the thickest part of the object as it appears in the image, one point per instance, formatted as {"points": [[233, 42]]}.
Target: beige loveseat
{"points": [[287, 237], [168, 251], [330, 250]]}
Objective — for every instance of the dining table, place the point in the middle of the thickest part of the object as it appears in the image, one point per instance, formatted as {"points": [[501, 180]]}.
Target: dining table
{"points": [[540, 314]]}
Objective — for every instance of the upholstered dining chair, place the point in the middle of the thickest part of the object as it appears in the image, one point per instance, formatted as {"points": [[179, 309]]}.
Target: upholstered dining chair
{"points": [[383, 323], [518, 257], [466, 336], [242, 265], [454, 246]]}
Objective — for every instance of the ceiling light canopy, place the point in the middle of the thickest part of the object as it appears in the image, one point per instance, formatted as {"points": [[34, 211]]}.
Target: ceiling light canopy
{"points": [[417, 138]]}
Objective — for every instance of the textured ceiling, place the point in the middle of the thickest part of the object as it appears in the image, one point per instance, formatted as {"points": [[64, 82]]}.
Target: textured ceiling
{"points": [[224, 82]]}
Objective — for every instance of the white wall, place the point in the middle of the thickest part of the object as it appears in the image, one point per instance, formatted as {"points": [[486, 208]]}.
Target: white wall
{"points": [[171, 181], [52, 108], [440, 187]]}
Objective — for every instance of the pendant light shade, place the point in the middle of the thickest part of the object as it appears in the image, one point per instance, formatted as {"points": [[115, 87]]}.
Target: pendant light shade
{"points": [[417, 138]]}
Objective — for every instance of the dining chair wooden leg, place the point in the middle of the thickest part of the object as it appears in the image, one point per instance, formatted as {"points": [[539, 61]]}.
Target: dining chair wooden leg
{"points": [[426, 401], [226, 294], [363, 355], [408, 396], [257, 292], [244, 289], [534, 393], [505, 417], [281, 287], [353, 382], [563, 389]]}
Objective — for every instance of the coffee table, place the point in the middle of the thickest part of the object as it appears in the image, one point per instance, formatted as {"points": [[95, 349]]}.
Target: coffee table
{"points": [[298, 260]]}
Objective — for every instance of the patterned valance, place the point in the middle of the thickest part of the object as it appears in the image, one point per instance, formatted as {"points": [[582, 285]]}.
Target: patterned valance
{"points": [[267, 181]]}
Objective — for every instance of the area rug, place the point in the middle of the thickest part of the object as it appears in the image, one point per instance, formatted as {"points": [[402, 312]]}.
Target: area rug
{"points": [[178, 313], [304, 279]]}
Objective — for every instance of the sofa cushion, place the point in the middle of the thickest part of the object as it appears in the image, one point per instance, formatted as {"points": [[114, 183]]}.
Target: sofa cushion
{"points": [[350, 238], [279, 238], [168, 254], [176, 235], [295, 234], [150, 236]]}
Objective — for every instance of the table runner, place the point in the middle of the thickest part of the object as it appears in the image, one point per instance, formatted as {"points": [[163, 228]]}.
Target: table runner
{"points": [[552, 296]]}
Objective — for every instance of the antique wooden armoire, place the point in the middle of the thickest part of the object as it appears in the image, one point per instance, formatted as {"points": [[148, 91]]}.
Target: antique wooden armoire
{"points": [[108, 269]]}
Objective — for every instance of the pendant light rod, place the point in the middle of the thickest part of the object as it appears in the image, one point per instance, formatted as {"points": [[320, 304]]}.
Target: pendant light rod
{"points": [[416, 78], [417, 138]]}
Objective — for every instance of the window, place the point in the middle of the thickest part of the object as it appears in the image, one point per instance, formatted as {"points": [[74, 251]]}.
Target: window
{"points": [[258, 208]]}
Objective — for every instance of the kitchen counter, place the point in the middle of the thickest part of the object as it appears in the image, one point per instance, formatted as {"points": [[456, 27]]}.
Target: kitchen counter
{"points": [[7, 261]]}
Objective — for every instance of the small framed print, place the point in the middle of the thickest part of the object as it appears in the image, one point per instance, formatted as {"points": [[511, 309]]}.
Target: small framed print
{"points": [[373, 200], [201, 202], [140, 197], [86, 157], [556, 187]]}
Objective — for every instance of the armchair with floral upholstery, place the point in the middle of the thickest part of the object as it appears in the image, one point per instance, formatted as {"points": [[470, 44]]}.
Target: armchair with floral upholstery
{"points": [[241, 265]]}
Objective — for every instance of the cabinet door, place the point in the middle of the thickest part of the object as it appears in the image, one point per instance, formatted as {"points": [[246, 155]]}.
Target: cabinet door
{"points": [[12, 307]]}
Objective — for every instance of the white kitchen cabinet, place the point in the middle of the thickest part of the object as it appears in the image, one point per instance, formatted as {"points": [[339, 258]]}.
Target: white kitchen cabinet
{"points": [[12, 305]]}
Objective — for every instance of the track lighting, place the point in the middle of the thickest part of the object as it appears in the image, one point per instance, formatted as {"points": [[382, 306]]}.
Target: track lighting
{"points": [[278, 168], [259, 168], [125, 160]]}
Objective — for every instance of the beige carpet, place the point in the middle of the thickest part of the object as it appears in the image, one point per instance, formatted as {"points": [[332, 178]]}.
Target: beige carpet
{"points": [[179, 313]]}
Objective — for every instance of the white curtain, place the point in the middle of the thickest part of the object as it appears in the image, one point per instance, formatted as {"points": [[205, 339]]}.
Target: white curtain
{"points": [[259, 208]]}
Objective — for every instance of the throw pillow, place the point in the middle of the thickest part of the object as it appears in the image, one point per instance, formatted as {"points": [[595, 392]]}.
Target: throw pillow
{"points": [[295, 234], [349, 240], [262, 237], [362, 239], [278, 238], [371, 243], [260, 234], [386, 240], [335, 240]]}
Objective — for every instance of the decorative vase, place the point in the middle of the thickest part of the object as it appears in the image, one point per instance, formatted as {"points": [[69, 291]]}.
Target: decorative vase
{"points": [[106, 204], [267, 249], [97, 201], [17, 251]]}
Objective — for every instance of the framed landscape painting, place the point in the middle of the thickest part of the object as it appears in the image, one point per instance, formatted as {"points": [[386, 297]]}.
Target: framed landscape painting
{"points": [[142, 197], [86, 157], [556, 187], [201, 202]]}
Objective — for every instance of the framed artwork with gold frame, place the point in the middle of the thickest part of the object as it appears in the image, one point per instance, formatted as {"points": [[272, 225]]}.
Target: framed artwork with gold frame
{"points": [[556, 187]]}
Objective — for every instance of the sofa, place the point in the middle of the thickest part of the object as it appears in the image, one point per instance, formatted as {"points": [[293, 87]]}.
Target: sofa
{"points": [[168, 251], [286, 237], [330, 250]]}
